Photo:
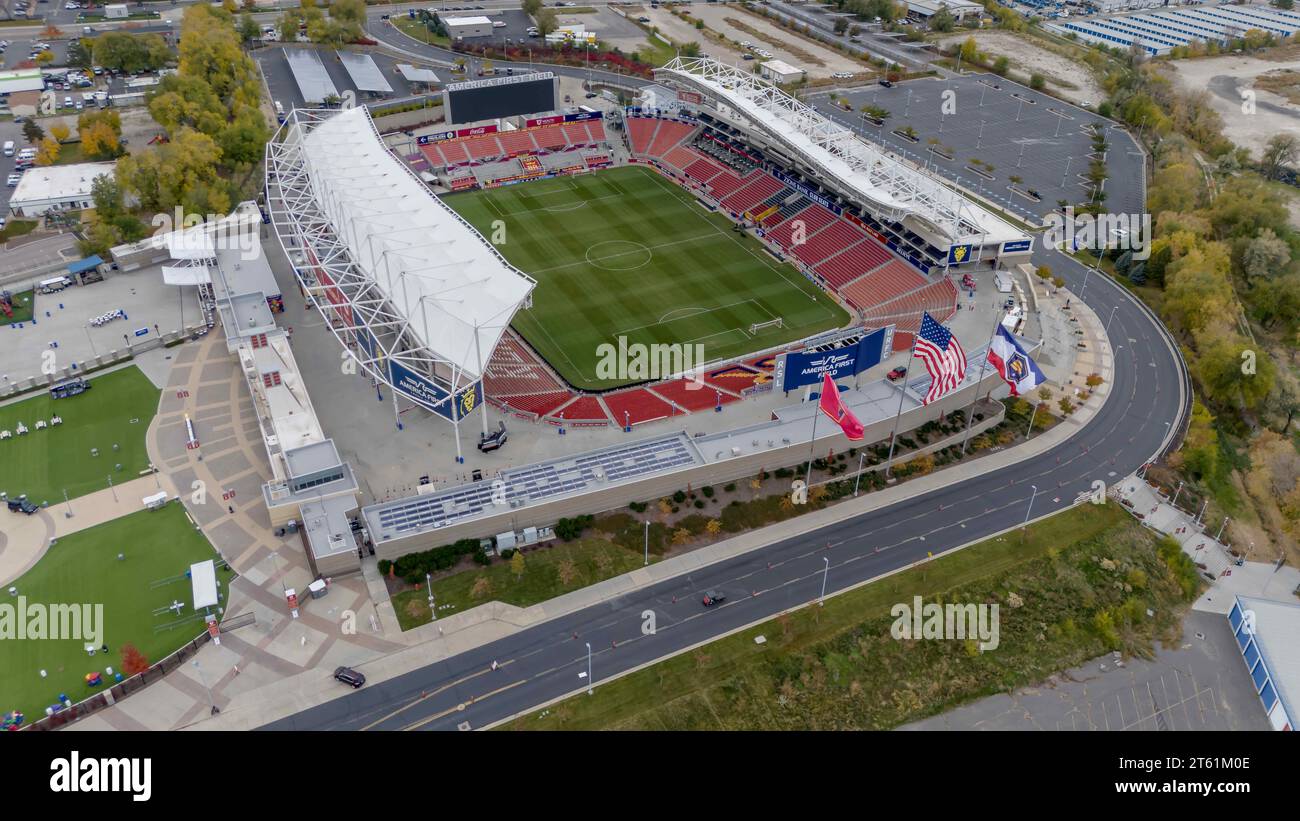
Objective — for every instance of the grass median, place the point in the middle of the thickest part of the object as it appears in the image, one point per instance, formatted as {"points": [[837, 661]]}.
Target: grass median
{"points": [[1069, 588]]}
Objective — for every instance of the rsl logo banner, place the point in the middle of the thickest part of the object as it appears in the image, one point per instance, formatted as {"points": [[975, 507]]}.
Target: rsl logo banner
{"points": [[957, 254]]}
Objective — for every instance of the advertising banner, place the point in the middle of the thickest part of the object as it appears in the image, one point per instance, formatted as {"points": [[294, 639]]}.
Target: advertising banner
{"points": [[794, 370], [429, 395]]}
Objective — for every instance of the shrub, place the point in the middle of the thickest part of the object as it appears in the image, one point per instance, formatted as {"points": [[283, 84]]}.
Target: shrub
{"points": [[507, 553], [638, 507], [483, 558], [679, 496], [729, 487], [570, 529], [385, 566], [707, 490], [699, 504]]}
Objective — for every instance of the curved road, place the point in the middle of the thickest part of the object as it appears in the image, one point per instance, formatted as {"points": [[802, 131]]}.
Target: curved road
{"points": [[1140, 420]]}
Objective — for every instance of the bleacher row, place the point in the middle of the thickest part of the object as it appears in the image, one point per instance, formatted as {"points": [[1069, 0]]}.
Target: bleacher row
{"points": [[847, 259], [518, 381], [488, 174], [484, 148]]}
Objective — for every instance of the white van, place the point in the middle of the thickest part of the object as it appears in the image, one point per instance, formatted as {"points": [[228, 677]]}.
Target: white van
{"points": [[53, 286], [9, 148]]}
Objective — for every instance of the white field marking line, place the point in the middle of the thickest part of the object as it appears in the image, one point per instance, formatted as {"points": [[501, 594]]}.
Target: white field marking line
{"points": [[552, 209], [766, 263], [564, 353], [692, 316], [650, 248]]}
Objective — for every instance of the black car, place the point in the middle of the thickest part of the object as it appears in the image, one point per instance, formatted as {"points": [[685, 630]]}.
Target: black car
{"points": [[488, 442], [22, 506], [885, 83], [712, 597], [349, 676]]}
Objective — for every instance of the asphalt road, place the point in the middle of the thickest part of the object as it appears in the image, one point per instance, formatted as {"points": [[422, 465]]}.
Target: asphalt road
{"points": [[542, 663]]}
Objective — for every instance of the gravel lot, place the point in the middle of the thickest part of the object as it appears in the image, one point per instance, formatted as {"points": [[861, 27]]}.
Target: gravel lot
{"points": [[1225, 78], [1029, 58]]}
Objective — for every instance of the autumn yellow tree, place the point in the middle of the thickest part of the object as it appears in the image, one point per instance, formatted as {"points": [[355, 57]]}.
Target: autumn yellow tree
{"points": [[99, 141], [60, 132], [47, 152]]}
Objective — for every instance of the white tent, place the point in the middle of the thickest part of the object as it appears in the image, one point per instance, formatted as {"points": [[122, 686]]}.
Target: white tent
{"points": [[456, 292]]}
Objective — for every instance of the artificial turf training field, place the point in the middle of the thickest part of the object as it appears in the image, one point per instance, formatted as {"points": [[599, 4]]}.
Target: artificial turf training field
{"points": [[158, 547], [44, 463], [624, 252]]}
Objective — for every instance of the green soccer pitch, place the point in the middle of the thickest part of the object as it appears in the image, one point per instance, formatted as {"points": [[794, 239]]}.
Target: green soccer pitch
{"points": [[43, 463], [157, 547], [624, 252]]}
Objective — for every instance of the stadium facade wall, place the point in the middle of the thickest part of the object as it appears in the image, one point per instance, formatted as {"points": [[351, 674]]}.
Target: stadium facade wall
{"points": [[618, 497]]}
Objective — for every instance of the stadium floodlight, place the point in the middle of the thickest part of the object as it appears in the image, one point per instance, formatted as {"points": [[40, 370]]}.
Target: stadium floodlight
{"points": [[412, 290], [892, 186]]}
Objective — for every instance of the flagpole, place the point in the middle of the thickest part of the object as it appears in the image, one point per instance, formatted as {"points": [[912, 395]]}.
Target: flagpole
{"points": [[893, 437], [970, 413], [812, 443]]}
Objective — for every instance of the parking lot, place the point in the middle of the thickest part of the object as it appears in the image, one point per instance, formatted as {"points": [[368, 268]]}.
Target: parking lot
{"points": [[1019, 132], [284, 89], [1200, 684]]}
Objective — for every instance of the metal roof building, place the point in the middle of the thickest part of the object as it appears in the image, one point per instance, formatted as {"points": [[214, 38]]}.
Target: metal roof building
{"points": [[365, 75], [1160, 31], [309, 73], [1267, 634]]}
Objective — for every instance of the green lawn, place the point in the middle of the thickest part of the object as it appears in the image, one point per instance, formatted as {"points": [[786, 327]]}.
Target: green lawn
{"points": [[43, 463], [23, 302], [16, 228], [83, 569], [1084, 581], [589, 560], [626, 253]]}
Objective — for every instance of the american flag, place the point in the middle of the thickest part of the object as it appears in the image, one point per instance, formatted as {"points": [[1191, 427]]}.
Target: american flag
{"points": [[943, 358]]}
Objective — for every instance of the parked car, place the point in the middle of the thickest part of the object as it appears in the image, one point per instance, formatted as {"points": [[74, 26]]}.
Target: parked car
{"points": [[349, 677], [13, 180], [897, 374], [22, 505]]}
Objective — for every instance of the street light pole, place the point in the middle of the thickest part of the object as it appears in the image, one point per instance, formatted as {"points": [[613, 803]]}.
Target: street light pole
{"points": [[428, 578], [1032, 496], [647, 541], [1221, 527], [821, 602], [1112, 316], [862, 455], [589, 682]]}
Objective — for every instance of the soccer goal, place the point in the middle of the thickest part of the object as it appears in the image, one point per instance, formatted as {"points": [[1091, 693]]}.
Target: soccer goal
{"points": [[762, 326]]}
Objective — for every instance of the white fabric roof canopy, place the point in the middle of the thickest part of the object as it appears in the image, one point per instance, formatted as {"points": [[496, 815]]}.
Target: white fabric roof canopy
{"points": [[456, 291]]}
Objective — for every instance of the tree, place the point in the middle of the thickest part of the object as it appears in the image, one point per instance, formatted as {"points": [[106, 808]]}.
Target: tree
{"points": [[482, 588], [969, 51], [287, 26], [841, 25], [45, 58], [547, 21], [60, 132], [32, 131], [1280, 151], [942, 20], [517, 564], [248, 29], [123, 51], [47, 153], [1001, 65], [531, 7], [1036, 81], [107, 196], [133, 661], [353, 11], [1266, 254], [79, 54]]}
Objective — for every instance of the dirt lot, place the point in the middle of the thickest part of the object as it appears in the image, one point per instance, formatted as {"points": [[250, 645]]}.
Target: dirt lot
{"points": [[714, 16], [1225, 78], [1065, 78]]}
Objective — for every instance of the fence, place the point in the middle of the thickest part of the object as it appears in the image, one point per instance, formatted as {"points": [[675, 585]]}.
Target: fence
{"points": [[97, 363]]}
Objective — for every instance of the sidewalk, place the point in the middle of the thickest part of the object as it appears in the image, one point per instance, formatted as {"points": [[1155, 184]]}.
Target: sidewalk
{"points": [[1259, 579], [26, 542]]}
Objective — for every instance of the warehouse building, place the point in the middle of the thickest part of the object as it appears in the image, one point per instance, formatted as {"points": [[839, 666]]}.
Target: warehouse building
{"points": [[57, 188], [780, 72], [463, 28], [1160, 31], [959, 9], [1266, 634]]}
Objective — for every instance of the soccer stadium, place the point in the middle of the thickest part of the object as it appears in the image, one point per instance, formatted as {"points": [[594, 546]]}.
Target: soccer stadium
{"points": [[497, 262]]}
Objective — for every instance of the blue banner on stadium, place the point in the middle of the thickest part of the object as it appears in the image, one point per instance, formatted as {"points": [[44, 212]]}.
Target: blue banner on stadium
{"points": [[427, 394], [794, 183], [1017, 246], [806, 368], [957, 254]]}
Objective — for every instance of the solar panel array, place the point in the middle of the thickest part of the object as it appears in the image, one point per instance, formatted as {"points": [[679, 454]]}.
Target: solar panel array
{"points": [[309, 73], [365, 75], [534, 483]]}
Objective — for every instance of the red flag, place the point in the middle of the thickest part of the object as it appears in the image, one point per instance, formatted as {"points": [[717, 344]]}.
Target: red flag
{"points": [[832, 406]]}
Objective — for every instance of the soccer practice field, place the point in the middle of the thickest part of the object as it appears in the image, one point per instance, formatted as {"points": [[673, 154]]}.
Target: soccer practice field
{"points": [[624, 252]]}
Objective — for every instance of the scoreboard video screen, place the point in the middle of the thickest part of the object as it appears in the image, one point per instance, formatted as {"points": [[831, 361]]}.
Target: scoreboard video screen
{"points": [[496, 97]]}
